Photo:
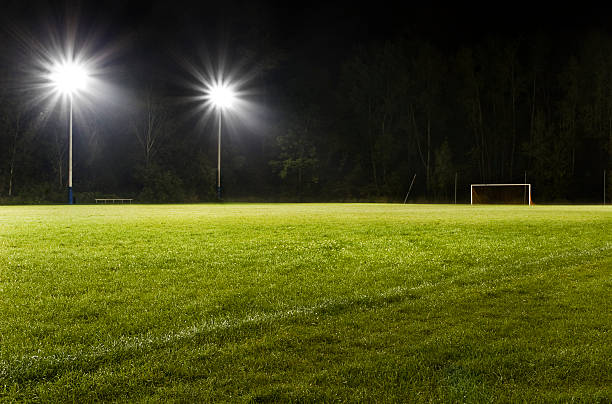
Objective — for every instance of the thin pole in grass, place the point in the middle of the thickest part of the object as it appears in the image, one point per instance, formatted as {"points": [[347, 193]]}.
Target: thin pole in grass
{"points": [[455, 188], [525, 190], [219, 159], [409, 189]]}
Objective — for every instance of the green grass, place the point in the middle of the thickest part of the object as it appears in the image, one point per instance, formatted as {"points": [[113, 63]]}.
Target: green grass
{"points": [[317, 302]]}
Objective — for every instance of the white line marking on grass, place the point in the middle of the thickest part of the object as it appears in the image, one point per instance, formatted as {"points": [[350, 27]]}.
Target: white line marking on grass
{"points": [[45, 367], [38, 367]]}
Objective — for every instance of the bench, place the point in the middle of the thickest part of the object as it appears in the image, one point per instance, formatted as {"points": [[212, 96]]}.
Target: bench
{"points": [[113, 200]]}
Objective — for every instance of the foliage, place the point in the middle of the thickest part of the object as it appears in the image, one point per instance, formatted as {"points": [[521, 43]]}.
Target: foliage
{"points": [[159, 185], [444, 172], [358, 129], [297, 160]]}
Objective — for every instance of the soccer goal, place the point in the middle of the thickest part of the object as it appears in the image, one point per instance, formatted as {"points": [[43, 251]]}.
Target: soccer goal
{"points": [[517, 194]]}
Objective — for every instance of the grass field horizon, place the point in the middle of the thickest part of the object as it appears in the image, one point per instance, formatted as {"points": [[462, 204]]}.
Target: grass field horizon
{"points": [[308, 302]]}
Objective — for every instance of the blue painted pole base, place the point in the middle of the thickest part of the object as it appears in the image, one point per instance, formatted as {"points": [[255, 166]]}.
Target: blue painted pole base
{"points": [[70, 199], [219, 193]]}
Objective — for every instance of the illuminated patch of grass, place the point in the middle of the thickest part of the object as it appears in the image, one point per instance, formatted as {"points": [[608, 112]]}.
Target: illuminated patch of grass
{"points": [[305, 302]]}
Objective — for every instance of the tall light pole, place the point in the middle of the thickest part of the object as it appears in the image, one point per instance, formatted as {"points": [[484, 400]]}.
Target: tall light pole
{"points": [[219, 159], [70, 198], [69, 78], [222, 96]]}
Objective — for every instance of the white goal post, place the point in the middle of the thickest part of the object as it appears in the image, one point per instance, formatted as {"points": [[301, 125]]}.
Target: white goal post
{"points": [[501, 194]]}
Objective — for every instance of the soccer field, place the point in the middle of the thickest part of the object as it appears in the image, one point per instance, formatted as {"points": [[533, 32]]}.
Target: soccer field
{"points": [[309, 302]]}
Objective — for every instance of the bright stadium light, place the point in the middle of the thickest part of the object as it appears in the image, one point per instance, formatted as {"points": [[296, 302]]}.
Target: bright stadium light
{"points": [[223, 97], [68, 78]]}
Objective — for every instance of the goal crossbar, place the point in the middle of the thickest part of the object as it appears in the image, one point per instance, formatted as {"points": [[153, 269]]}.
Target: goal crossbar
{"points": [[526, 187]]}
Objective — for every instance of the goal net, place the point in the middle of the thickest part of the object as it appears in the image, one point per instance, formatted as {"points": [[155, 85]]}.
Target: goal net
{"points": [[518, 194]]}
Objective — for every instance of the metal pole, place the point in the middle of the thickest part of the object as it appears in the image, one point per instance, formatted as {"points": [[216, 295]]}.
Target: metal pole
{"points": [[455, 188], [409, 189], [529, 194], [70, 199], [219, 160], [525, 191]]}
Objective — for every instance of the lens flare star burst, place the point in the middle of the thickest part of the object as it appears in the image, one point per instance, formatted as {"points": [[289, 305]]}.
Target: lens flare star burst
{"points": [[217, 88], [62, 58], [221, 95], [69, 78]]}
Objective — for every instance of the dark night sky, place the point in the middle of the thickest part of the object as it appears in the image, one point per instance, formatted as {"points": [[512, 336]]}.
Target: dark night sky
{"points": [[311, 38], [327, 27], [158, 35]]}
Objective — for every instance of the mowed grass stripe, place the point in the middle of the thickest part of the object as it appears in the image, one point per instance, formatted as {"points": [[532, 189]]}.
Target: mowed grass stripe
{"points": [[149, 277], [36, 367], [523, 363]]}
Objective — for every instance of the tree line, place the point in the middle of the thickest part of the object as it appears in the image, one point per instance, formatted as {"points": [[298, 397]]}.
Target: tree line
{"points": [[504, 110]]}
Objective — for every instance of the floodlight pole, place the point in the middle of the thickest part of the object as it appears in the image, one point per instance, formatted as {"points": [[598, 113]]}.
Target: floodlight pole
{"points": [[70, 198], [219, 159]]}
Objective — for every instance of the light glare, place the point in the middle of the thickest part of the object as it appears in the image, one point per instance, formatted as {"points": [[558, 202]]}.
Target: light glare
{"points": [[222, 96], [69, 78]]}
